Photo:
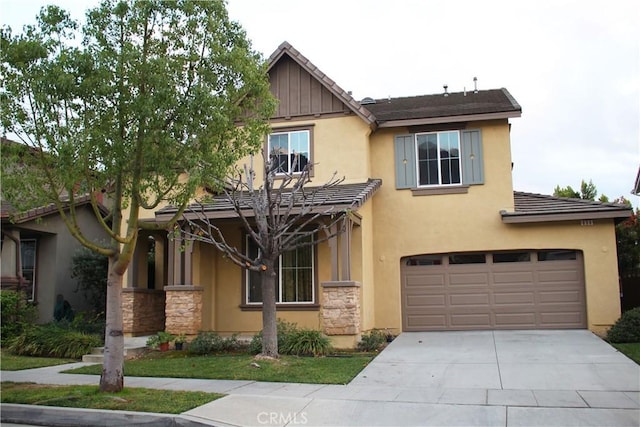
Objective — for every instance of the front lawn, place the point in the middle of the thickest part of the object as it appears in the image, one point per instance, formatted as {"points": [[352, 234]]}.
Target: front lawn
{"points": [[88, 396], [11, 362], [174, 364], [631, 350]]}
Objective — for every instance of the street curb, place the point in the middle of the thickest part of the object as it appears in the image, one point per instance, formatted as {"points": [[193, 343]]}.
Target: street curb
{"points": [[59, 417]]}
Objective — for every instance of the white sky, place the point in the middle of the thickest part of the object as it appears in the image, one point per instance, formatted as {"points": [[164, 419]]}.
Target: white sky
{"points": [[574, 67]]}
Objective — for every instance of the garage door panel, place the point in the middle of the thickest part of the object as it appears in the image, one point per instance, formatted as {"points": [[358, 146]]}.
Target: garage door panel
{"points": [[508, 298], [468, 279], [425, 280], [501, 295], [426, 301], [515, 319], [426, 322], [456, 300], [510, 277], [558, 276], [479, 320], [559, 297]]}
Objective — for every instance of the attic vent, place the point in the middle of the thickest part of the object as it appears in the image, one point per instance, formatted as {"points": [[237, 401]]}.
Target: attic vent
{"points": [[367, 100]]}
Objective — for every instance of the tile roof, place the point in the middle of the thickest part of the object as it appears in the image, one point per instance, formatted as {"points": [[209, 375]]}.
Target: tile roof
{"points": [[531, 207], [456, 104], [9, 214], [345, 196]]}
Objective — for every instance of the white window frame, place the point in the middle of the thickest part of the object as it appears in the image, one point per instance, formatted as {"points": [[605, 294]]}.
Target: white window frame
{"points": [[460, 168], [279, 281], [289, 151]]}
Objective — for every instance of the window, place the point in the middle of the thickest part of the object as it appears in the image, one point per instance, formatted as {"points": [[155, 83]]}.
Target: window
{"points": [[438, 158], [557, 255], [28, 263], [292, 149], [511, 257], [294, 280], [467, 259], [433, 162]]}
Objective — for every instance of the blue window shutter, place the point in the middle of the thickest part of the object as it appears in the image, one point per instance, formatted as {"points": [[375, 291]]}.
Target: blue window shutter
{"points": [[405, 158], [472, 161]]}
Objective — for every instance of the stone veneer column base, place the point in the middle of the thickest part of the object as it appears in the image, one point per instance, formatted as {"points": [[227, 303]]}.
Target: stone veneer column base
{"points": [[340, 311], [183, 309], [142, 311]]}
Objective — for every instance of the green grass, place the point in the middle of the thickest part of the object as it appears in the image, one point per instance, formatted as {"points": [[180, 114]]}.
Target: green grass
{"points": [[86, 396], [631, 350], [10, 362], [315, 370]]}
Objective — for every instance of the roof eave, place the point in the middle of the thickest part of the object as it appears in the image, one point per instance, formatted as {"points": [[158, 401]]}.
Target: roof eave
{"points": [[449, 119], [521, 218]]}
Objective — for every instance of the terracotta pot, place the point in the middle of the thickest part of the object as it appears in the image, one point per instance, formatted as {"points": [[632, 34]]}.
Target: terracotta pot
{"points": [[164, 346]]}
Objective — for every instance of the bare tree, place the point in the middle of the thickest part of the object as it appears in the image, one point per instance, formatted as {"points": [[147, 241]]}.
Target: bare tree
{"points": [[280, 215]]}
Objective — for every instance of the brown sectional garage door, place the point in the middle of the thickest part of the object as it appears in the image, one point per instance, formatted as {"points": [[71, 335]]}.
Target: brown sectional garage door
{"points": [[502, 290]]}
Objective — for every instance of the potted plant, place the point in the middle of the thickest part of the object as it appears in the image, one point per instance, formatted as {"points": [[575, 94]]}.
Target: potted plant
{"points": [[160, 340], [179, 341]]}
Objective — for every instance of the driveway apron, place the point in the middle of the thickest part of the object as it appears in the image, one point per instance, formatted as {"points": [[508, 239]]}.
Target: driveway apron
{"points": [[535, 361]]}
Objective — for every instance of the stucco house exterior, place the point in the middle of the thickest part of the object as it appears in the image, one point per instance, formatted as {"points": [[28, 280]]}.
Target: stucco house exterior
{"points": [[437, 240], [37, 252]]}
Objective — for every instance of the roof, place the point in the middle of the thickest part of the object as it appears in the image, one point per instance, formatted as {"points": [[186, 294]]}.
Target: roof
{"points": [[9, 214], [286, 49], [455, 107], [531, 207], [340, 197], [636, 187]]}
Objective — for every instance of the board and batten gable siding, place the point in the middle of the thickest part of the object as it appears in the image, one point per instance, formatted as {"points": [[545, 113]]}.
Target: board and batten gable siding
{"points": [[471, 159], [301, 94]]}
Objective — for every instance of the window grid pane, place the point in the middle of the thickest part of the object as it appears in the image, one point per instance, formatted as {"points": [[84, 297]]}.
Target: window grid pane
{"points": [[438, 158]]}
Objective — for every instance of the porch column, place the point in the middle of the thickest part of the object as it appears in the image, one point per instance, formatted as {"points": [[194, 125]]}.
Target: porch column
{"points": [[341, 308], [345, 249], [183, 306]]}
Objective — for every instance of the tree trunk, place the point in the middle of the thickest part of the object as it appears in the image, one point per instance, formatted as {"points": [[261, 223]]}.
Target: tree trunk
{"points": [[112, 378], [269, 320]]}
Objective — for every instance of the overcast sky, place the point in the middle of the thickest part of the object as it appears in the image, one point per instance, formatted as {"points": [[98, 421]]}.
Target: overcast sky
{"points": [[574, 67]]}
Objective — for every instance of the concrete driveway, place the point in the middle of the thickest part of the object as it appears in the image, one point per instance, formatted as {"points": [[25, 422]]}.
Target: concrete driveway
{"points": [[537, 368]]}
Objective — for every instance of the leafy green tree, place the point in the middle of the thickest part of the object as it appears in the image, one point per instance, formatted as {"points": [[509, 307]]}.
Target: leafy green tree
{"points": [[145, 110], [588, 191]]}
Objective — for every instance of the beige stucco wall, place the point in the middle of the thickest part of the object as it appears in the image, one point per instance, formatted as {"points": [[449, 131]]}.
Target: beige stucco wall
{"points": [[409, 225]]}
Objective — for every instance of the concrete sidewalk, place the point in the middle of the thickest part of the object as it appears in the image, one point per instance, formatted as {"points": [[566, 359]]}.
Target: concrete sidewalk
{"points": [[436, 379]]}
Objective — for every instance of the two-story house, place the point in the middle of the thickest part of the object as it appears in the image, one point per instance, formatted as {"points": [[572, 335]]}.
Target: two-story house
{"points": [[437, 239]]}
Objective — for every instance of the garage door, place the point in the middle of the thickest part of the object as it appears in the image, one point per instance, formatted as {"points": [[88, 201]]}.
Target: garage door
{"points": [[501, 290]]}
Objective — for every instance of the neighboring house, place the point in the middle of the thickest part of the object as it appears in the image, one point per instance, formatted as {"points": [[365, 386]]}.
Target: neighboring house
{"points": [[437, 239], [636, 187], [37, 251]]}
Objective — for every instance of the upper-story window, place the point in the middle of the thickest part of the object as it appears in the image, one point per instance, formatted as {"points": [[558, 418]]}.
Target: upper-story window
{"points": [[438, 158], [439, 162], [292, 150]]}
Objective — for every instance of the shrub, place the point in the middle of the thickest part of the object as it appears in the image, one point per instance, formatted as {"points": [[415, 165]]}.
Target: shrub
{"points": [[211, 342], [372, 341], [87, 322], [306, 342], [161, 337], [285, 330], [51, 340], [91, 269], [626, 328], [16, 315]]}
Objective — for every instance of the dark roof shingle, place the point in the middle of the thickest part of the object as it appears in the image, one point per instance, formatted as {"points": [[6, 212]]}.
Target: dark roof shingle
{"points": [[438, 106]]}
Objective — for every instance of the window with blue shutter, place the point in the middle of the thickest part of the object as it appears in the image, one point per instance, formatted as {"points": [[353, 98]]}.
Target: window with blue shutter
{"points": [[439, 159]]}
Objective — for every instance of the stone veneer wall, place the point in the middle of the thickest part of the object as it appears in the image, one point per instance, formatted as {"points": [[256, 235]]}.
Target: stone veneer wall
{"points": [[142, 311], [183, 309], [341, 308]]}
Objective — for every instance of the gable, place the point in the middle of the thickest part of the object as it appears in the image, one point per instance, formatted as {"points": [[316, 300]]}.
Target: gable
{"points": [[304, 91], [301, 94]]}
